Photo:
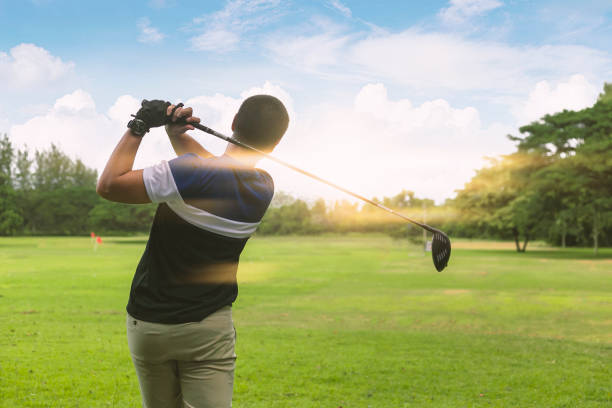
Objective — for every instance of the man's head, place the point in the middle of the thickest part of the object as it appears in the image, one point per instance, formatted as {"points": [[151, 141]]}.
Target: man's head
{"points": [[261, 122]]}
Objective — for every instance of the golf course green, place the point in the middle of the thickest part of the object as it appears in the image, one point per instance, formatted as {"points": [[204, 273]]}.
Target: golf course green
{"points": [[326, 321]]}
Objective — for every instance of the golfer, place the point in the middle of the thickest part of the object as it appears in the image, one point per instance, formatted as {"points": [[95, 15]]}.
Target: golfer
{"points": [[179, 323]]}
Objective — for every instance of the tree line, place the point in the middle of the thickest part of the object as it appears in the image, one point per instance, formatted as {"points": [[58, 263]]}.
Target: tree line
{"points": [[556, 186], [51, 194]]}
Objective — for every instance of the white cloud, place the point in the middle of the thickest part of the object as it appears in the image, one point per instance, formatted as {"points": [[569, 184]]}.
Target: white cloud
{"points": [[342, 8], [26, 65], [574, 94], [461, 10], [148, 34], [217, 39], [223, 30], [77, 102], [437, 61], [310, 53], [373, 100], [123, 107]]}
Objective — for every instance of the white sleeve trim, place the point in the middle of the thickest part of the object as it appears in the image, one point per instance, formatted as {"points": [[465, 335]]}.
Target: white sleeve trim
{"points": [[212, 223], [159, 183]]}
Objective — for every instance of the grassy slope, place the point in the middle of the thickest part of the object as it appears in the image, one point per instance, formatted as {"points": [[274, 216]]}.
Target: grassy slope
{"points": [[326, 321]]}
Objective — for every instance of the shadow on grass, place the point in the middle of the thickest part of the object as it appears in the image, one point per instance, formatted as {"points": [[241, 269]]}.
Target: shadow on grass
{"points": [[572, 253]]}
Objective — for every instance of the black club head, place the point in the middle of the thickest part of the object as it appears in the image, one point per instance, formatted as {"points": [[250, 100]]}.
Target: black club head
{"points": [[440, 249]]}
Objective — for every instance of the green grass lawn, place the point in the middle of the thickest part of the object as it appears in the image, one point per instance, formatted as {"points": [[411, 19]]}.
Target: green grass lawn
{"points": [[340, 321]]}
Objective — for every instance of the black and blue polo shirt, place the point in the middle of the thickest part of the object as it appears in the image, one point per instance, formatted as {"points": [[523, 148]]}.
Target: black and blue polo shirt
{"points": [[208, 208]]}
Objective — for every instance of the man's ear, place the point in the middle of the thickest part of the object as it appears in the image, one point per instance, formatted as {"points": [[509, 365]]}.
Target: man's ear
{"points": [[234, 122]]}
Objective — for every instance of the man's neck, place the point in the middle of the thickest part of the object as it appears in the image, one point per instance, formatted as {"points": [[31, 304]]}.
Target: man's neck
{"points": [[244, 156]]}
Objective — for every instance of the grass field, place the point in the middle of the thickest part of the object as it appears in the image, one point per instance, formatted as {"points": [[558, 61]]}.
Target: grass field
{"points": [[353, 321]]}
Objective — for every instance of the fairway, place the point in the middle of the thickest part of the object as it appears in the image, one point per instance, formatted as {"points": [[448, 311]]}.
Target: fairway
{"points": [[330, 321]]}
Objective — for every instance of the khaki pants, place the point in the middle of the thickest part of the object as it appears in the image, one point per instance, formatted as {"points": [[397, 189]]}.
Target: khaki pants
{"points": [[187, 365]]}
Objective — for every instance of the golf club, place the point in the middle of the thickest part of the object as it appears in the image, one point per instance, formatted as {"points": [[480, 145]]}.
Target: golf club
{"points": [[440, 246]]}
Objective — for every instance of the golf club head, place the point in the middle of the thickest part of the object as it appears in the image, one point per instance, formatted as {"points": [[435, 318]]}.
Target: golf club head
{"points": [[440, 249]]}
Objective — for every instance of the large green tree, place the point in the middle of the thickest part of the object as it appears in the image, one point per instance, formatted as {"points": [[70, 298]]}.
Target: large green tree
{"points": [[580, 175]]}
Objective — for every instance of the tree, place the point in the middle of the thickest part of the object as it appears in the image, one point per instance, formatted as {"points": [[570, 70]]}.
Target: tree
{"points": [[606, 95], [280, 199], [407, 199], [553, 186], [6, 159], [292, 218], [592, 184], [54, 169], [344, 216], [81, 175], [498, 200], [10, 219], [318, 216], [62, 211], [109, 217], [23, 173]]}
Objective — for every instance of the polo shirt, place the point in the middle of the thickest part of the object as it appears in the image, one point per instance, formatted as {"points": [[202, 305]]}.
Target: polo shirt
{"points": [[208, 208]]}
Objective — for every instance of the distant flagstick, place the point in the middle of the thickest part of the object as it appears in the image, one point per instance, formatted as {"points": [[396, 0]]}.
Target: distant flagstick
{"points": [[95, 240]]}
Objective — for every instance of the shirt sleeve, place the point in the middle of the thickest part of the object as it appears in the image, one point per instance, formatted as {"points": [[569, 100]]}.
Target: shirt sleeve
{"points": [[160, 184]]}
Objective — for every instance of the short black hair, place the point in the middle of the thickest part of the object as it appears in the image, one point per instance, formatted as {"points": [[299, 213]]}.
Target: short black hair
{"points": [[261, 122]]}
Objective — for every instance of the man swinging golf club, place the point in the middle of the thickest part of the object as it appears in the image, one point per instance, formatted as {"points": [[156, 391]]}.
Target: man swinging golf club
{"points": [[179, 323]]}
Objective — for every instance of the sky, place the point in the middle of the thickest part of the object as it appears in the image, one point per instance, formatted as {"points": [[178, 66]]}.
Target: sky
{"points": [[383, 96]]}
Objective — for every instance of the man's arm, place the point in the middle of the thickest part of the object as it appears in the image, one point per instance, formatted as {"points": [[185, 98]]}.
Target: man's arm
{"points": [[118, 181], [182, 143]]}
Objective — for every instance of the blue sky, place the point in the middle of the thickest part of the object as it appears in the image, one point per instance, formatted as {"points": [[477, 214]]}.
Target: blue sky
{"points": [[420, 91]]}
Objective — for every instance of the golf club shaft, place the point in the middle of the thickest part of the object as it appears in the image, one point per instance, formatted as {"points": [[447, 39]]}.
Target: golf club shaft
{"points": [[306, 173]]}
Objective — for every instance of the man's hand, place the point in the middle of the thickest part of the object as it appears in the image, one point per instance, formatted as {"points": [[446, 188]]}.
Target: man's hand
{"points": [[179, 123], [180, 120], [153, 113]]}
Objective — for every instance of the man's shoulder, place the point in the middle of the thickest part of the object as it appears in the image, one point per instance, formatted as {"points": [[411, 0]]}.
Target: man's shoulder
{"points": [[266, 178], [188, 160]]}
